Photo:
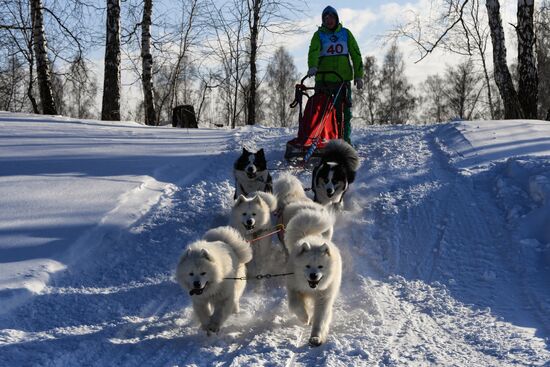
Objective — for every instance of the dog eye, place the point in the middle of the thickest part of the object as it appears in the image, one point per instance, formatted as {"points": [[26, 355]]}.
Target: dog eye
{"points": [[191, 274], [307, 266], [326, 180], [203, 273], [320, 266], [244, 214], [253, 214]]}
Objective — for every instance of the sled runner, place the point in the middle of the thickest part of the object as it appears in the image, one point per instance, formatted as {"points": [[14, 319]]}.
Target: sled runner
{"points": [[318, 122]]}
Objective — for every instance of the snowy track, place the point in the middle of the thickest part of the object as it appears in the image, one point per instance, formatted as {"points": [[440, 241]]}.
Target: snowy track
{"points": [[431, 274]]}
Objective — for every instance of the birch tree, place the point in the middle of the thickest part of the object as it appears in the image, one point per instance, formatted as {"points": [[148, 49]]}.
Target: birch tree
{"points": [[110, 109], [147, 64], [435, 106], [397, 103], [63, 25], [462, 90], [454, 21], [227, 47], [282, 76], [368, 98], [82, 90], [527, 66], [263, 16], [171, 75], [503, 78], [17, 36], [12, 90], [543, 58], [42, 61], [254, 8]]}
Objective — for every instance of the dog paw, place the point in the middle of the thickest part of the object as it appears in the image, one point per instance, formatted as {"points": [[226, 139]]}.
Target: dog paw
{"points": [[315, 341], [212, 329]]}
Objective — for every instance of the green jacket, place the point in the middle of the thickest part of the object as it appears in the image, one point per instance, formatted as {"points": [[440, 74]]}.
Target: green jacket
{"points": [[341, 63]]}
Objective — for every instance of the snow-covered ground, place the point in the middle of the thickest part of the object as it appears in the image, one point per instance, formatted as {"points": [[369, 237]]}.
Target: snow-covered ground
{"points": [[445, 238]]}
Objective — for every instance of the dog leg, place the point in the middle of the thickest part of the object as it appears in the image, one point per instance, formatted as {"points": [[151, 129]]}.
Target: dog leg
{"points": [[222, 310], [297, 304], [322, 316], [240, 285], [203, 312]]}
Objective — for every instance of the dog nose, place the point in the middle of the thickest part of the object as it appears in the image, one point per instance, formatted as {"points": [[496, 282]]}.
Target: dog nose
{"points": [[196, 284], [330, 191], [250, 222], [250, 169], [313, 276]]}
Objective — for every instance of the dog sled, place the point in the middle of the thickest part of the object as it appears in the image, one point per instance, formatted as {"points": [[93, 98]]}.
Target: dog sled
{"points": [[320, 121]]}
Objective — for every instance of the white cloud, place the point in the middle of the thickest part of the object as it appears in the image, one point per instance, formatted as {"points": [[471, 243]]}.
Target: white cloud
{"points": [[357, 20]]}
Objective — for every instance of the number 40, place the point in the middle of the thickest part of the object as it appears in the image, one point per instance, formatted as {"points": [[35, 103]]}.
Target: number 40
{"points": [[338, 48]]}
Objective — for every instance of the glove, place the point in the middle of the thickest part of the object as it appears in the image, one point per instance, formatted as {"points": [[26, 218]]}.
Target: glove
{"points": [[358, 82], [312, 71]]}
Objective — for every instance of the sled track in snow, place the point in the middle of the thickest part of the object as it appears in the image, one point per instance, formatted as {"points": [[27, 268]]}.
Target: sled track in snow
{"points": [[418, 317]]}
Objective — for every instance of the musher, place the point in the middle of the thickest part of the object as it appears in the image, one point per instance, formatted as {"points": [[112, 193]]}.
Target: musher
{"points": [[331, 49]]}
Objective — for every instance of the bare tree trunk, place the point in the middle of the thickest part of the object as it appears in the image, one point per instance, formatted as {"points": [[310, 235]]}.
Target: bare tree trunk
{"points": [[527, 68], [111, 82], [254, 7], [480, 38], [147, 64], [488, 85], [42, 61], [30, 87], [512, 107]]}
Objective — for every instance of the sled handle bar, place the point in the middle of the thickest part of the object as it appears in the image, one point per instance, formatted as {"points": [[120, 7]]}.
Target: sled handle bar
{"points": [[330, 72]]}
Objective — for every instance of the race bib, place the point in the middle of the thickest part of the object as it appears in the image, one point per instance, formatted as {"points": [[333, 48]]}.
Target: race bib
{"points": [[334, 44]]}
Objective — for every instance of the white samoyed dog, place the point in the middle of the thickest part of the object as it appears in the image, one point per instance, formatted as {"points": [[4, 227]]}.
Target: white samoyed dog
{"points": [[251, 216], [292, 199], [317, 271], [203, 270]]}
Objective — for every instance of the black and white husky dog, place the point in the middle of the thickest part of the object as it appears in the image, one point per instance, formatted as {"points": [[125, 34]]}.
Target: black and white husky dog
{"points": [[251, 174], [333, 175]]}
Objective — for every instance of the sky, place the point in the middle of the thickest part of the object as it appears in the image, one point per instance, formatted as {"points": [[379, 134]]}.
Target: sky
{"points": [[369, 21]]}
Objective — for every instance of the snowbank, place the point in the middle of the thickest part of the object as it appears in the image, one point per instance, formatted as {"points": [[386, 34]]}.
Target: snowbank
{"points": [[65, 184], [444, 240]]}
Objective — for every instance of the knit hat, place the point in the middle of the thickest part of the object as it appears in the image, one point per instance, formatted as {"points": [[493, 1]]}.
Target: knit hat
{"points": [[329, 10]]}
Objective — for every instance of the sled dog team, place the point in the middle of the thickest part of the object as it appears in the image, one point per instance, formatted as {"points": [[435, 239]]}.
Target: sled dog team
{"points": [[214, 269]]}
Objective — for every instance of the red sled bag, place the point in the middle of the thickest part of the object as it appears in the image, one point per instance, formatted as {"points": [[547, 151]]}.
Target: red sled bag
{"points": [[319, 121]]}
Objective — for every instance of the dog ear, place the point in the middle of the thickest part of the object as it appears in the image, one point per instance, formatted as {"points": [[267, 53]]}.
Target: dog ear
{"points": [[304, 247], [260, 153], [185, 255], [256, 199], [240, 199], [245, 151], [206, 254], [325, 249]]}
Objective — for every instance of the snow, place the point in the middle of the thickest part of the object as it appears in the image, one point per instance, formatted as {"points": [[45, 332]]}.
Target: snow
{"points": [[445, 237]]}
